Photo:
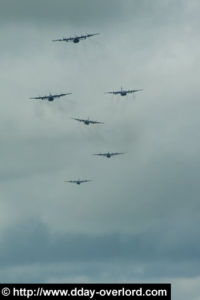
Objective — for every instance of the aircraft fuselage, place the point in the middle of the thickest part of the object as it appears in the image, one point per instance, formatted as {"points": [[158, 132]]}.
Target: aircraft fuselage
{"points": [[87, 122], [51, 98], [108, 155], [123, 93], [76, 40]]}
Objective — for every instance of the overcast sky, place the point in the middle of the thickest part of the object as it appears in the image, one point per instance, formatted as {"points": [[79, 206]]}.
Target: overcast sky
{"points": [[138, 220]]}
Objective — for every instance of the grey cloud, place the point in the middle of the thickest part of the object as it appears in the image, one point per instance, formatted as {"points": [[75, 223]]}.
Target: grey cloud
{"points": [[140, 214], [91, 13], [66, 12], [33, 243]]}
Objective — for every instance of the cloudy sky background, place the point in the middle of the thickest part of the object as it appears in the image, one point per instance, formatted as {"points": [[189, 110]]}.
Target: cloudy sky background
{"points": [[138, 221]]}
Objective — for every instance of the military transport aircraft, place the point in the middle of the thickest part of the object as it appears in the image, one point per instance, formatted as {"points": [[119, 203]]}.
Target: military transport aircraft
{"points": [[75, 39], [87, 121], [123, 92], [77, 181], [108, 154], [50, 97]]}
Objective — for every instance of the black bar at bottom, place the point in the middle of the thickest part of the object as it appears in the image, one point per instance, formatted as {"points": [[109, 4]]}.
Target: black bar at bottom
{"points": [[87, 291]]}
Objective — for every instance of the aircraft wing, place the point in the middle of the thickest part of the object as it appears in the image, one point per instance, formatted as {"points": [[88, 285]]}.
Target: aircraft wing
{"points": [[41, 98], [133, 91], [71, 181], [116, 153], [82, 181], [64, 40], [61, 95], [58, 40], [76, 181], [89, 35], [83, 120], [100, 154], [86, 36], [114, 92], [80, 120], [96, 122]]}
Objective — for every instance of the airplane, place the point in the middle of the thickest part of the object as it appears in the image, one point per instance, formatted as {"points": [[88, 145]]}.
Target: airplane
{"points": [[109, 154], [50, 97], [87, 121], [75, 39], [123, 92], [77, 181]]}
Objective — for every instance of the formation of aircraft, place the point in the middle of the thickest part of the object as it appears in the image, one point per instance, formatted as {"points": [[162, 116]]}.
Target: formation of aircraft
{"points": [[75, 39], [123, 92], [77, 181], [50, 97], [108, 154], [87, 121]]}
